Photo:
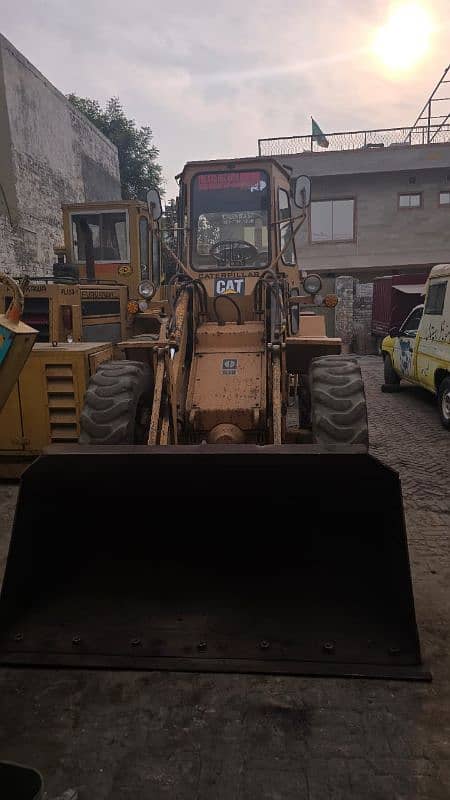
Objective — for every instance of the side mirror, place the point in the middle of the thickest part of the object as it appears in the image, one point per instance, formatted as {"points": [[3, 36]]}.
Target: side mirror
{"points": [[302, 191], [394, 331], [154, 203]]}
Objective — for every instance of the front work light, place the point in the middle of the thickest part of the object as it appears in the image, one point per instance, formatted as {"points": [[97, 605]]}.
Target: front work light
{"points": [[312, 284], [146, 289]]}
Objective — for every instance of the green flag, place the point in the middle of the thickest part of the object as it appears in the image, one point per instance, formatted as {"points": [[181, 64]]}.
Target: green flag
{"points": [[317, 134]]}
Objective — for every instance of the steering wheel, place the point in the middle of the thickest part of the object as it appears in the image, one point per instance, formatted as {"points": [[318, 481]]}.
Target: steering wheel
{"points": [[262, 259], [238, 250]]}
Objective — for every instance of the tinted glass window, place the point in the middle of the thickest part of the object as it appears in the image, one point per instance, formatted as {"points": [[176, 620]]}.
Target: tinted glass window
{"points": [[156, 260], [228, 208], [286, 230], [435, 298], [143, 246], [411, 325], [107, 232]]}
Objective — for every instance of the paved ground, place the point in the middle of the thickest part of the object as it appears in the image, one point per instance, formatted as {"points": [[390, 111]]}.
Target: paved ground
{"points": [[136, 736]]}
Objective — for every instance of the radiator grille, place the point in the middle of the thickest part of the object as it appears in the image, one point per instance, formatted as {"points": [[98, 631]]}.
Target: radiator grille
{"points": [[62, 403]]}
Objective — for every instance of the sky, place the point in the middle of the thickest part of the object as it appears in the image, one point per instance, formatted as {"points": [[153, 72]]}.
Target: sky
{"points": [[210, 78]]}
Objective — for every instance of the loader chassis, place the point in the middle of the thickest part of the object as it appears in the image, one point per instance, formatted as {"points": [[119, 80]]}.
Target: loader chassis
{"points": [[239, 321]]}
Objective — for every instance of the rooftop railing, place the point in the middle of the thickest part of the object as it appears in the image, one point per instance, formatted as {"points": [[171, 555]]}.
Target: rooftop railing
{"points": [[356, 140]]}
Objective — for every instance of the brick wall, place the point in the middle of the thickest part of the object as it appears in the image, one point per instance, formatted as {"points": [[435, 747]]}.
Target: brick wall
{"points": [[363, 341], [353, 315], [344, 323]]}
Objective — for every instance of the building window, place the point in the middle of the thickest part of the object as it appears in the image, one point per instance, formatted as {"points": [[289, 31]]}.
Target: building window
{"points": [[332, 220], [444, 198], [436, 297], [410, 200]]}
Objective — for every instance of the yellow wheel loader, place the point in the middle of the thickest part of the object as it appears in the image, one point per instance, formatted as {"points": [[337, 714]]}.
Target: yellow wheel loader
{"points": [[221, 511]]}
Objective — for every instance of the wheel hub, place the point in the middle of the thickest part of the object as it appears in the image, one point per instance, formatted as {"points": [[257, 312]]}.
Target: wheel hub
{"points": [[446, 405]]}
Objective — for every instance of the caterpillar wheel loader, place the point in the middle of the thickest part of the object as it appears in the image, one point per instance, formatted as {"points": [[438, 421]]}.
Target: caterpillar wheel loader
{"points": [[221, 511]]}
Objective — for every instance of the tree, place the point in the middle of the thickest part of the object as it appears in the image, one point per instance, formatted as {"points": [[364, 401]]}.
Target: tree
{"points": [[139, 169]]}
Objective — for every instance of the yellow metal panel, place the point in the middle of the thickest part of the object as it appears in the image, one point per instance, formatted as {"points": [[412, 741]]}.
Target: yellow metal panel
{"points": [[47, 406], [54, 380], [33, 392], [95, 359], [11, 423]]}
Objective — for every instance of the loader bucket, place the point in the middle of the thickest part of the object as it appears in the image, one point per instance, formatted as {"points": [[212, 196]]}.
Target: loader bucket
{"points": [[224, 559]]}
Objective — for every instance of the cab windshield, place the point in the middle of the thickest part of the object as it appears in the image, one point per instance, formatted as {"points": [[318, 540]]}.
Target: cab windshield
{"points": [[106, 232], [230, 220]]}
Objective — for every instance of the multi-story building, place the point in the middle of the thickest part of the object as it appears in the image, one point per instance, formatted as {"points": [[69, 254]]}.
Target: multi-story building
{"points": [[380, 203]]}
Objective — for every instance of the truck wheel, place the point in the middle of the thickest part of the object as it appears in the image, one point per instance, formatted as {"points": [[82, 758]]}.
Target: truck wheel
{"points": [[117, 404], [338, 403], [444, 402], [391, 379]]}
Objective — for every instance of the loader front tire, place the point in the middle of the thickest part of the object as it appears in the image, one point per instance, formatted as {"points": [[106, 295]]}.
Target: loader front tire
{"points": [[117, 404], [338, 403]]}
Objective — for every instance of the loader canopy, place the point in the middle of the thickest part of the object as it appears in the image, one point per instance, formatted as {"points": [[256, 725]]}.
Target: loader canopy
{"points": [[206, 558]]}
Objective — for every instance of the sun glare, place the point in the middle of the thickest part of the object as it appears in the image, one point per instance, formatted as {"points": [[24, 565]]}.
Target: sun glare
{"points": [[405, 39]]}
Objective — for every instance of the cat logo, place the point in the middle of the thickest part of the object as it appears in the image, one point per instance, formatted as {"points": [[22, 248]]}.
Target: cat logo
{"points": [[229, 286], [229, 366]]}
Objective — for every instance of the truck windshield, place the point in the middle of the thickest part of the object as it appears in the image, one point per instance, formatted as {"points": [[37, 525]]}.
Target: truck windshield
{"points": [[230, 220]]}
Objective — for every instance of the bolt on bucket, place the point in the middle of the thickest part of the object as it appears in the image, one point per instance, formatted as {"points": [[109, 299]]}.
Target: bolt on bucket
{"points": [[284, 560]]}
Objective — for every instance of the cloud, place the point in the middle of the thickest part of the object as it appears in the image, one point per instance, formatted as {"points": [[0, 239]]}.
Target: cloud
{"points": [[212, 79]]}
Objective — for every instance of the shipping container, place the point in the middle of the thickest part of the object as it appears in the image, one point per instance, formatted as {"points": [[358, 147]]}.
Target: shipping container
{"points": [[393, 298]]}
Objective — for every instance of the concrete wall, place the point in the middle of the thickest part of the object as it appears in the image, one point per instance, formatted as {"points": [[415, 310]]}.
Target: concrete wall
{"points": [[386, 237], [353, 315], [367, 160], [49, 154]]}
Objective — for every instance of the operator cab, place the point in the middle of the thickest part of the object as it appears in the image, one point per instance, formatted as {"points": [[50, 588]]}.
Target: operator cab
{"points": [[113, 242], [236, 216]]}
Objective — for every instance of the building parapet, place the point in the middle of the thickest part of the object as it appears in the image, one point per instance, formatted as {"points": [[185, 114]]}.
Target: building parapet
{"points": [[357, 140]]}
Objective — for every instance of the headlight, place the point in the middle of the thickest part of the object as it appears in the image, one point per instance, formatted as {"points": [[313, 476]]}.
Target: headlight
{"points": [[312, 284], [146, 289]]}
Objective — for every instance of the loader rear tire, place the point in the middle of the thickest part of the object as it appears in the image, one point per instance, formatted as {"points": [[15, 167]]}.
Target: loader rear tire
{"points": [[338, 403], [117, 404]]}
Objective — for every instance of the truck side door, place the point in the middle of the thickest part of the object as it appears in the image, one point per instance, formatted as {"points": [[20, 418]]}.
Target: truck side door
{"points": [[405, 351]]}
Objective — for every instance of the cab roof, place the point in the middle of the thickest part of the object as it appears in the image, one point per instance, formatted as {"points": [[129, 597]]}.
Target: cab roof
{"points": [[227, 162]]}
